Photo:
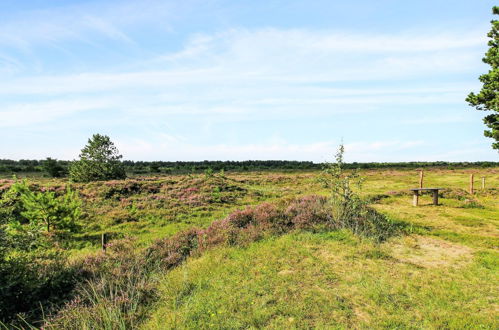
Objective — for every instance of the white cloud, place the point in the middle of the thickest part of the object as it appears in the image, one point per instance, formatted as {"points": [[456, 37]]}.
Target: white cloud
{"points": [[271, 56], [19, 115], [242, 75], [464, 153], [437, 119], [369, 146], [173, 148], [81, 22]]}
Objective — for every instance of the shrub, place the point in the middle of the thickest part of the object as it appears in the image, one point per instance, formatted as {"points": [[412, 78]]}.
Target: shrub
{"points": [[309, 212], [172, 251], [348, 209], [32, 281]]}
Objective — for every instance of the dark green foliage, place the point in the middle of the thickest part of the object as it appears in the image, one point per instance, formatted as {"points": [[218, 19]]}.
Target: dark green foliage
{"points": [[182, 167], [488, 97], [33, 271], [32, 281], [53, 168], [99, 160], [154, 167]]}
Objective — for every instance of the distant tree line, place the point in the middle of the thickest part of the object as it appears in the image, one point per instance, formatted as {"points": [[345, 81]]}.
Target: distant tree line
{"points": [[57, 168]]}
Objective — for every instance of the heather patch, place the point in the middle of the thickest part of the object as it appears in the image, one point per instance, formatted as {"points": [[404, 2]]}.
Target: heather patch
{"points": [[199, 217], [120, 285]]}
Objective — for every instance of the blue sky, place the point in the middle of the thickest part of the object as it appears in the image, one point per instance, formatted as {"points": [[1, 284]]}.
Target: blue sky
{"points": [[195, 80]]}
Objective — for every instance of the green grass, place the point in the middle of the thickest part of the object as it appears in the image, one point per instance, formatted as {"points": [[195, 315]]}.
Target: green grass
{"points": [[442, 274], [334, 280]]}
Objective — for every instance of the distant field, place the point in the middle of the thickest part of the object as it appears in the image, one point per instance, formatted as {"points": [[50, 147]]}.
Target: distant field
{"points": [[442, 274]]}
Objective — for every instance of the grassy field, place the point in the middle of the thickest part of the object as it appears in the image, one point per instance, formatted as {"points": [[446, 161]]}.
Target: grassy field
{"points": [[441, 273], [443, 276]]}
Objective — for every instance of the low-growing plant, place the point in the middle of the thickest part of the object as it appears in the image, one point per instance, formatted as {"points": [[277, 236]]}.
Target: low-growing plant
{"points": [[33, 271], [11, 206], [472, 204]]}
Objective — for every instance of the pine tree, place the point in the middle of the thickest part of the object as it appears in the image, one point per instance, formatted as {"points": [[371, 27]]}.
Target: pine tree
{"points": [[488, 97], [99, 160]]}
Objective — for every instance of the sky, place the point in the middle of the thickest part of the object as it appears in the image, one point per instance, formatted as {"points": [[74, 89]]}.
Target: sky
{"points": [[238, 80]]}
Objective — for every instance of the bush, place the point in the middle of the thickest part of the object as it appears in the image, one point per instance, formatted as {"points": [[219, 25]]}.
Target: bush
{"points": [[32, 281]]}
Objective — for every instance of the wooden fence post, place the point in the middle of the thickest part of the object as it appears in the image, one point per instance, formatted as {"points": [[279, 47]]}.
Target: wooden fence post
{"points": [[471, 184], [483, 182], [421, 179], [104, 242]]}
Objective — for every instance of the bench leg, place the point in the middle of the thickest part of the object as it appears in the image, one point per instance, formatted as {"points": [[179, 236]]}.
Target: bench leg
{"points": [[435, 197], [415, 198]]}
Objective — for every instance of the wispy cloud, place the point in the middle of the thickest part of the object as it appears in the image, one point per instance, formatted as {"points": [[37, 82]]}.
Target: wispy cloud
{"points": [[81, 22], [275, 56], [26, 114], [203, 89], [365, 151]]}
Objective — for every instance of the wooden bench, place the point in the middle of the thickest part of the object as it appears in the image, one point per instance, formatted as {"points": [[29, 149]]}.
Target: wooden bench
{"points": [[415, 198]]}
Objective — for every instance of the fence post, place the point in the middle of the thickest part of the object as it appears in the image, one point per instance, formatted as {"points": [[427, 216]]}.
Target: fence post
{"points": [[421, 179], [483, 182], [471, 184], [104, 242]]}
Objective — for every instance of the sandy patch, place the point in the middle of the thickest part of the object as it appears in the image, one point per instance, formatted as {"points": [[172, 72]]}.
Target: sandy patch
{"points": [[431, 252], [286, 272]]}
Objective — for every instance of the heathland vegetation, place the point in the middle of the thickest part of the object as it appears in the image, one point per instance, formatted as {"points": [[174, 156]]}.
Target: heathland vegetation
{"points": [[101, 243], [329, 248]]}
